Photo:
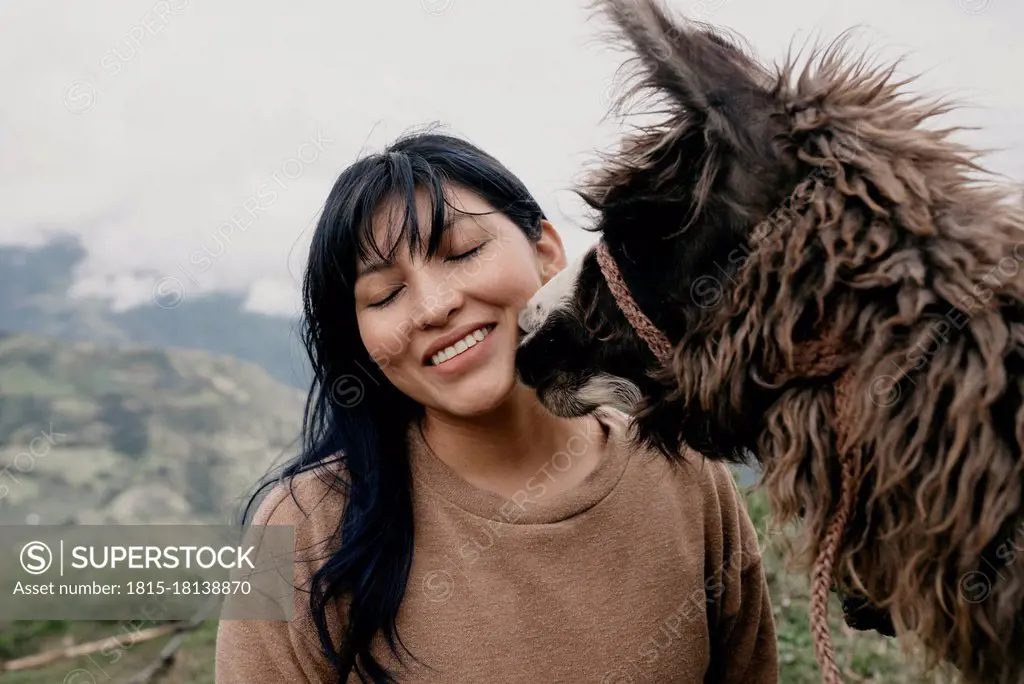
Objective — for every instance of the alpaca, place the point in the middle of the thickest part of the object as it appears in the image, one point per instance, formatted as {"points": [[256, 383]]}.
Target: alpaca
{"points": [[794, 271]]}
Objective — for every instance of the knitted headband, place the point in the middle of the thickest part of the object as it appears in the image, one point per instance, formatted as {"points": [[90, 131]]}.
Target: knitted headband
{"points": [[649, 332]]}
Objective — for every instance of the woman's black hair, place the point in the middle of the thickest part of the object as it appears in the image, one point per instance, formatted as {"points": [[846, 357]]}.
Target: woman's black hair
{"points": [[353, 416]]}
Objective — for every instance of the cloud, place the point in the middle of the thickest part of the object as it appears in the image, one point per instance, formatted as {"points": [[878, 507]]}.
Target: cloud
{"points": [[157, 130]]}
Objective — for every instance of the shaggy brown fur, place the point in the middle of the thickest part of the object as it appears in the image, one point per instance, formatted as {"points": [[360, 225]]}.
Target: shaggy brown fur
{"points": [[853, 222]]}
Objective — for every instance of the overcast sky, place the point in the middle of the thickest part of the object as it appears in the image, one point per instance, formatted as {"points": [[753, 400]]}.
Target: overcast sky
{"points": [[144, 126]]}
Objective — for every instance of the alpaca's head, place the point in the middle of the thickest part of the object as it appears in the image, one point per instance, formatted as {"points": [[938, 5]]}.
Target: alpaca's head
{"points": [[706, 209], [677, 203], [573, 353]]}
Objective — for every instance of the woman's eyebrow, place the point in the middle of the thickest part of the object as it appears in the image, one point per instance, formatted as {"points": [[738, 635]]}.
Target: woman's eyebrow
{"points": [[452, 221], [365, 269]]}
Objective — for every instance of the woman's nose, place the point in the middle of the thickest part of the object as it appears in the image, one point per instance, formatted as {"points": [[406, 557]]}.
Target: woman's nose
{"points": [[439, 299]]}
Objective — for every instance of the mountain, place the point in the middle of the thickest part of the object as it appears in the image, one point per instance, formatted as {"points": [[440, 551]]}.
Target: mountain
{"points": [[92, 433], [35, 282]]}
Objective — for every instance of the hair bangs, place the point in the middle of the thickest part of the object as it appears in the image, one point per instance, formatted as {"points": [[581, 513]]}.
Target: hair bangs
{"points": [[392, 202]]}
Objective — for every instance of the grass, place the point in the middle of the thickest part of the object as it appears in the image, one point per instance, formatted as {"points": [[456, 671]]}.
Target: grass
{"points": [[194, 664], [863, 657]]}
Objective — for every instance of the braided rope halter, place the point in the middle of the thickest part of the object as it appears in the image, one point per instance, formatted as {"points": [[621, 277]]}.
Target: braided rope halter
{"points": [[655, 339], [815, 360]]}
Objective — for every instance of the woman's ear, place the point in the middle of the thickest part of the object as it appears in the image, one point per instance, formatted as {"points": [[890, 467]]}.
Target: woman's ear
{"points": [[550, 252]]}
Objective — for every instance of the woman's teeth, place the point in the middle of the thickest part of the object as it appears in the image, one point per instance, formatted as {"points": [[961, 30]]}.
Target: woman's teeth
{"points": [[462, 345]]}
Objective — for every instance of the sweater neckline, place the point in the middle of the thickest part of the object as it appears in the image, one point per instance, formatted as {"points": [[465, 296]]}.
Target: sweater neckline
{"points": [[533, 504]]}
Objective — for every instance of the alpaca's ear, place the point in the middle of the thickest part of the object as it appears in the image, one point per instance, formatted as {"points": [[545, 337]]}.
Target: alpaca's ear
{"points": [[723, 88]]}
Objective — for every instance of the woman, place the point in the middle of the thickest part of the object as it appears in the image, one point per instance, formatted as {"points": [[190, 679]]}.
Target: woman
{"points": [[447, 527]]}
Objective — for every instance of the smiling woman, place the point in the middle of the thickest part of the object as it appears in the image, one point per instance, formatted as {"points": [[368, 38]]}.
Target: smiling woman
{"points": [[443, 324], [446, 513]]}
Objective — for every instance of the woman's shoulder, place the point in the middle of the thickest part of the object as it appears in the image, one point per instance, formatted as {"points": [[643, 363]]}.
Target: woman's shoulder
{"points": [[695, 475], [707, 470], [311, 498], [699, 496]]}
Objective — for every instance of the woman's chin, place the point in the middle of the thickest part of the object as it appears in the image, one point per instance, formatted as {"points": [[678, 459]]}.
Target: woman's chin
{"points": [[475, 398]]}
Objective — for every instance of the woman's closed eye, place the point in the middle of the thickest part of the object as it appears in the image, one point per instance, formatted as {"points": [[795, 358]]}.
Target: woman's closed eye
{"points": [[468, 254], [380, 304]]}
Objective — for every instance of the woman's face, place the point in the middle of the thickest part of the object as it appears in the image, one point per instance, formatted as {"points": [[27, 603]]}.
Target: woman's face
{"points": [[444, 331]]}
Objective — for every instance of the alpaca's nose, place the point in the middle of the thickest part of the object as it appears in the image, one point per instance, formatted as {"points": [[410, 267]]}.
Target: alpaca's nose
{"points": [[530, 363], [530, 317]]}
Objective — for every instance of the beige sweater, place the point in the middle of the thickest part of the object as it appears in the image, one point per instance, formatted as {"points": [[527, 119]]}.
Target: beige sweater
{"points": [[643, 573]]}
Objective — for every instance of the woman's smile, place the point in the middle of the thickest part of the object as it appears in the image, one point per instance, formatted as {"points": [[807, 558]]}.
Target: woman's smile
{"points": [[469, 351]]}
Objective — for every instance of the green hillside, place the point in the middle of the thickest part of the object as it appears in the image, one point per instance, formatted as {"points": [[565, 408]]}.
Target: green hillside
{"points": [[90, 434]]}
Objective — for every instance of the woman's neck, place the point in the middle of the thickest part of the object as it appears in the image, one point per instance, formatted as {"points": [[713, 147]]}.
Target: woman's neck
{"points": [[501, 450]]}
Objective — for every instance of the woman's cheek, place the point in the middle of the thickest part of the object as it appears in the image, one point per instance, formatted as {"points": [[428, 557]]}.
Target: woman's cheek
{"points": [[474, 267], [505, 278], [383, 335]]}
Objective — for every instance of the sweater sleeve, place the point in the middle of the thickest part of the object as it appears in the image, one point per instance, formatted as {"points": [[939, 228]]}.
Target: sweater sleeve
{"points": [[741, 625], [279, 651]]}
